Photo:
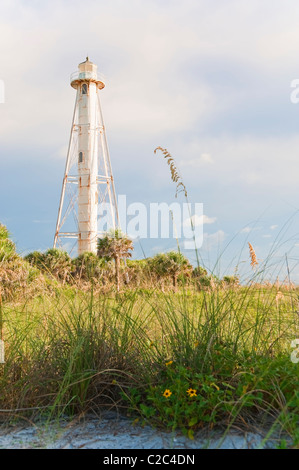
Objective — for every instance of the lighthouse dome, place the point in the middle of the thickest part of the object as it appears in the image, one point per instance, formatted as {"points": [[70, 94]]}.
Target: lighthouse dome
{"points": [[87, 66], [87, 72]]}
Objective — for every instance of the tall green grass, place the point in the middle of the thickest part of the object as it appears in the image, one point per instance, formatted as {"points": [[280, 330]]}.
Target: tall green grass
{"points": [[73, 352]]}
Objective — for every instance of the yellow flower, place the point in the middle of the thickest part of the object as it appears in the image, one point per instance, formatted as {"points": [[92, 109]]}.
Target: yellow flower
{"points": [[191, 392], [196, 344], [168, 363], [167, 393]]}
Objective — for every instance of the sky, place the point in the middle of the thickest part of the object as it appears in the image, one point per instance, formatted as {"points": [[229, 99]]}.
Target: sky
{"points": [[209, 81]]}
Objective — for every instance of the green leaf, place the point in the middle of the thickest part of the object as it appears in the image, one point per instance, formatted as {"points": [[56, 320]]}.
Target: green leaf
{"points": [[228, 385], [193, 421]]}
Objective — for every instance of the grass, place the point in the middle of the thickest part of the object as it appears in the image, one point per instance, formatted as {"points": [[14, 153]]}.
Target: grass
{"points": [[70, 352], [199, 355]]}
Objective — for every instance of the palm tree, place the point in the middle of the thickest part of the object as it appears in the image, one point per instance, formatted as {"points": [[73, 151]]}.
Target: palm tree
{"points": [[54, 262], [88, 266], [115, 245], [171, 264]]}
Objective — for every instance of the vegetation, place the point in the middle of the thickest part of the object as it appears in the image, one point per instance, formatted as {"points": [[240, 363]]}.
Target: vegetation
{"points": [[17, 277], [115, 245], [172, 264], [192, 357], [7, 247], [173, 345], [88, 267], [54, 262]]}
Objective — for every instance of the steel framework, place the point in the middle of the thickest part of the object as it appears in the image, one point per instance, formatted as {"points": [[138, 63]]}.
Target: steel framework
{"points": [[88, 179]]}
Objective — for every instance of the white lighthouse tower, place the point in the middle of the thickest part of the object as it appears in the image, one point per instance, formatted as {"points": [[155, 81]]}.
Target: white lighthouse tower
{"points": [[88, 180]]}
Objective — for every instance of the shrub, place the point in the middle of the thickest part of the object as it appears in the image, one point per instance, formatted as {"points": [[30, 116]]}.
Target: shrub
{"points": [[16, 275], [88, 266], [231, 281], [171, 265], [7, 247], [53, 262]]}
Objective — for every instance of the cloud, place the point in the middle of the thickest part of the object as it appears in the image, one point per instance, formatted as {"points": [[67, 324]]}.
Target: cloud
{"points": [[187, 75], [145, 93], [273, 227], [247, 160], [208, 220], [148, 53], [206, 158], [246, 230], [213, 239], [199, 220], [203, 160], [37, 221]]}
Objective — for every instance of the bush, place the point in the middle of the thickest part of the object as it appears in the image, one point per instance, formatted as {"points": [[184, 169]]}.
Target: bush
{"points": [[16, 275], [231, 281], [7, 247], [171, 265], [54, 262], [88, 266]]}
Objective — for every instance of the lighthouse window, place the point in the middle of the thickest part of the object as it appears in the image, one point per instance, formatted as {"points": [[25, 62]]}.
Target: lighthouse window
{"points": [[84, 89], [81, 157]]}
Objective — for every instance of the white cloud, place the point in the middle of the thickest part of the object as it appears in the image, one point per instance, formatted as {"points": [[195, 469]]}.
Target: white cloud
{"points": [[143, 48], [208, 220], [252, 161], [37, 221], [213, 239], [246, 230], [189, 75], [206, 158], [199, 220], [250, 229], [203, 160], [273, 227]]}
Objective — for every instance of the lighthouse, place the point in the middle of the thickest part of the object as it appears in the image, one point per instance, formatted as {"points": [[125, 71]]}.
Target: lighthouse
{"points": [[88, 181]]}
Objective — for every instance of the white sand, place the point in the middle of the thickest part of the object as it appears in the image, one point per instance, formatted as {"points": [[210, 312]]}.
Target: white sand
{"points": [[112, 431]]}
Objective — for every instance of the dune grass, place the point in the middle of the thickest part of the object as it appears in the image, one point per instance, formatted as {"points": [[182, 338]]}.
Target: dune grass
{"points": [[182, 361]]}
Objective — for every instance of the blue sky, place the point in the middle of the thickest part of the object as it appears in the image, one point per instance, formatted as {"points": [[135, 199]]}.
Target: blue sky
{"points": [[210, 81]]}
